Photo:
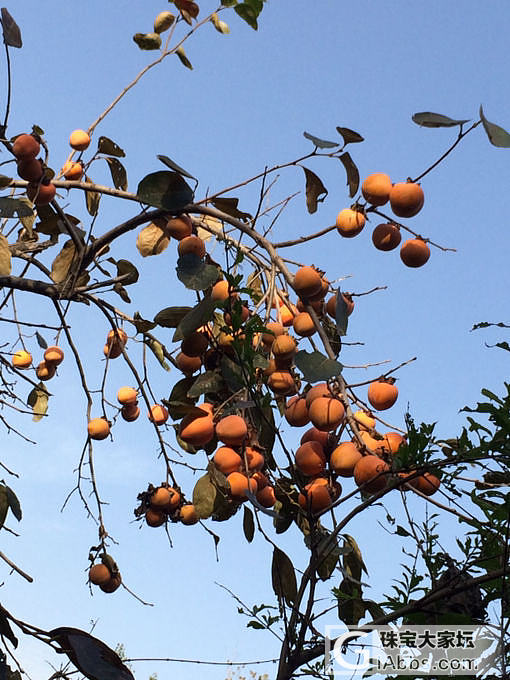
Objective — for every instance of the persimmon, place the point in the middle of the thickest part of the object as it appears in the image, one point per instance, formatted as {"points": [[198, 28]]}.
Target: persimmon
{"points": [[165, 499], [245, 315], [179, 227], [376, 188], [155, 518], [287, 314], [197, 430], [220, 291], [239, 484], [25, 147], [45, 370], [386, 236], [320, 390], [382, 395], [315, 435], [261, 479], [368, 472], [326, 413], [266, 497], [254, 458], [112, 585], [318, 495], [188, 514], [72, 170], [364, 419], [373, 445], [317, 305], [112, 351], [406, 199], [195, 344], [158, 414], [270, 368], [393, 441], [303, 325], [296, 412], [321, 294], [227, 460], [231, 430], [307, 281], [350, 222], [21, 359], [79, 140], [310, 459], [427, 484], [30, 169], [414, 252], [98, 428], [284, 347], [344, 458], [281, 382], [191, 244], [130, 413], [188, 365], [127, 395], [41, 194], [54, 355], [273, 329], [117, 335], [331, 305], [99, 574]]}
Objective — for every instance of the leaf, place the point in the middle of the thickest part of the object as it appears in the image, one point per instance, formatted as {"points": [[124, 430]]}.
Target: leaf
{"points": [[5, 257], [5, 181], [92, 199], [232, 374], [183, 58], [91, 657], [263, 419], [12, 34], [248, 524], [316, 192], [125, 267], [353, 560], [320, 143], [147, 41], [142, 325], [173, 166], [109, 147], [14, 503], [4, 504], [38, 400], [40, 340], [188, 9], [204, 497], [11, 206], [219, 25], [118, 173], [122, 292], [316, 367], [256, 625], [171, 317], [229, 206], [165, 190], [341, 314], [496, 134], [194, 273], [152, 240], [349, 136], [62, 264], [198, 316], [334, 338], [435, 120], [248, 13], [326, 567], [254, 284], [352, 173], [208, 382], [157, 349], [283, 577]]}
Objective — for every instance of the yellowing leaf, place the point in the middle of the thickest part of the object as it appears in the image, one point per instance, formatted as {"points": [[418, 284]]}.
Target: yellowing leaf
{"points": [[5, 257], [63, 262], [213, 223], [38, 400], [152, 240]]}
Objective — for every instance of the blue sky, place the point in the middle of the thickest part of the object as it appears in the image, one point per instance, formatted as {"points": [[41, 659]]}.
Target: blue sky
{"points": [[367, 65]]}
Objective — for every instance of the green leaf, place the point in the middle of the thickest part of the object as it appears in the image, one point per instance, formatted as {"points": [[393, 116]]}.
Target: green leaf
{"points": [[173, 166], [349, 136], [5, 181], [228, 3], [401, 531], [142, 325], [14, 503], [4, 504], [316, 192], [435, 120], [12, 34], [353, 560], [38, 400], [109, 147], [232, 374], [5, 256], [326, 566], [208, 382], [248, 524], [179, 398], [256, 625], [204, 497], [194, 273], [316, 367], [147, 41], [40, 340], [92, 199], [320, 143], [157, 349], [352, 173], [496, 134], [9, 207], [118, 173], [171, 317], [229, 206], [165, 190], [248, 13], [198, 316], [283, 577], [183, 58], [341, 315], [126, 267]]}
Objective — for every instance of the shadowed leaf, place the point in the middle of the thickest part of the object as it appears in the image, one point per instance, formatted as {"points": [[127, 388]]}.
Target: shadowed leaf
{"points": [[248, 524], [341, 316], [165, 190], [198, 316], [92, 199], [435, 120], [125, 267], [316, 192], [229, 206], [283, 577], [5, 257], [62, 264], [194, 273], [118, 173], [38, 400], [349, 136], [204, 497], [12, 34], [14, 503], [9, 207], [352, 173], [248, 13], [171, 317], [496, 134], [4, 504], [316, 367], [173, 166], [5, 181], [208, 382], [40, 340], [320, 143], [109, 147], [142, 325]]}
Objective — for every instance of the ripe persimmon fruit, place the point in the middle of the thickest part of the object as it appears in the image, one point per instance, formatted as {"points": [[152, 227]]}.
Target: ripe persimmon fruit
{"points": [[307, 282], [376, 188], [117, 335], [220, 291], [326, 413], [54, 355], [195, 344], [266, 497], [261, 479], [344, 458], [393, 441], [45, 370], [254, 458], [99, 574], [112, 585], [25, 147], [112, 351], [231, 430], [427, 484], [350, 222], [179, 227], [197, 430], [130, 413], [41, 194], [406, 199], [331, 304], [369, 471], [284, 346], [310, 459], [382, 395], [317, 495], [21, 359], [239, 484], [30, 169], [296, 412], [72, 170], [365, 420], [188, 365], [386, 236], [320, 390], [158, 414], [227, 460], [155, 518], [127, 395], [414, 252], [79, 140], [287, 314], [281, 382], [188, 514], [273, 329], [303, 325], [98, 428], [315, 435], [191, 244]]}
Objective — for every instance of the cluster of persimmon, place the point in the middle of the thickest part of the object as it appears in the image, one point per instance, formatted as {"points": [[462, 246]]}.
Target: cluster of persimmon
{"points": [[163, 503], [406, 200], [26, 148], [105, 574], [53, 356]]}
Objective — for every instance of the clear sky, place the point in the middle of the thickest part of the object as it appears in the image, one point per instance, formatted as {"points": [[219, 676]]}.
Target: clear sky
{"points": [[367, 65]]}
